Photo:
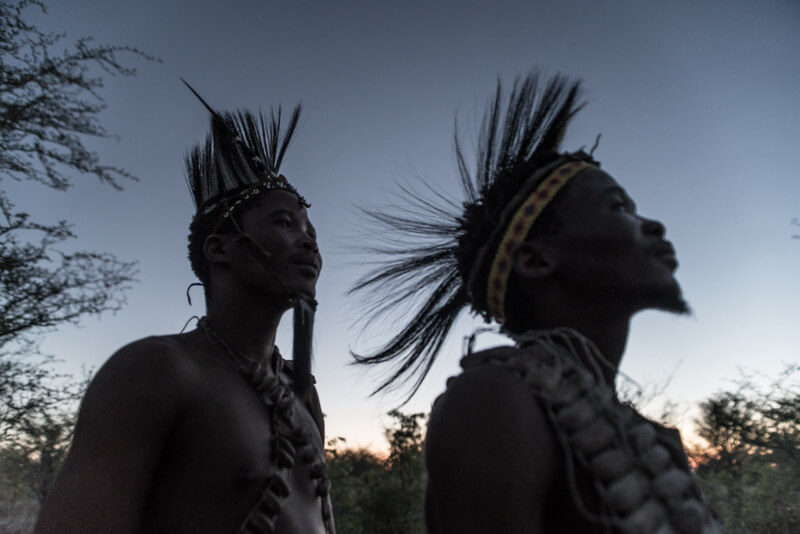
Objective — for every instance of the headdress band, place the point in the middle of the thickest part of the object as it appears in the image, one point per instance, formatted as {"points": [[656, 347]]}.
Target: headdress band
{"points": [[278, 183], [518, 229]]}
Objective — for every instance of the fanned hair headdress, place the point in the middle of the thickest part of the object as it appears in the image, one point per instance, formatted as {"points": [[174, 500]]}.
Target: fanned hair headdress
{"points": [[437, 254], [239, 161]]}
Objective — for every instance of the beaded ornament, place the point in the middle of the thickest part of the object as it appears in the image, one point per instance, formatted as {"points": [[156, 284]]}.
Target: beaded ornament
{"points": [[517, 230], [291, 438]]}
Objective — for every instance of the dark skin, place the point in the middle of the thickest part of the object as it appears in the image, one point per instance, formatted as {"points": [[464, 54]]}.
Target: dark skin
{"points": [[494, 464], [170, 437]]}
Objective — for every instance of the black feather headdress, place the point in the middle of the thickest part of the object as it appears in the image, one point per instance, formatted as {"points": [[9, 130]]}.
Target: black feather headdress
{"points": [[241, 151], [435, 252]]}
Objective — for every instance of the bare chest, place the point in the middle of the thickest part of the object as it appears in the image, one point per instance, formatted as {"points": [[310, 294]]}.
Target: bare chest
{"points": [[217, 463]]}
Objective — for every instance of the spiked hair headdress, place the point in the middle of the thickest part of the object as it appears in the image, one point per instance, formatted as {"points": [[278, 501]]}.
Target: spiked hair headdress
{"points": [[241, 153], [438, 253]]}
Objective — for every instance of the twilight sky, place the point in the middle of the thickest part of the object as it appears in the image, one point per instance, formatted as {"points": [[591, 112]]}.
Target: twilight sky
{"points": [[698, 104]]}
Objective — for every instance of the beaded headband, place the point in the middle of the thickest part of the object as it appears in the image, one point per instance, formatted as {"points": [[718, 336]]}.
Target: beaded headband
{"points": [[230, 204], [518, 229]]}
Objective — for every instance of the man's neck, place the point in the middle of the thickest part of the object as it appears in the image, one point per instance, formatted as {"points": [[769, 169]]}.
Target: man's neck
{"points": [[610, 337], [609, 333], [245, 327]]}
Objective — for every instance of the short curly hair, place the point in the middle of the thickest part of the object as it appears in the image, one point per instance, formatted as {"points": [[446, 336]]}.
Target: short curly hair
{"points": [[202, 226]]}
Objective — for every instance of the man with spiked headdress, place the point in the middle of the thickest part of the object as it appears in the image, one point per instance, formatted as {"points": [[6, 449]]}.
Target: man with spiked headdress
{"points": [[212, 430], [532, 438]]}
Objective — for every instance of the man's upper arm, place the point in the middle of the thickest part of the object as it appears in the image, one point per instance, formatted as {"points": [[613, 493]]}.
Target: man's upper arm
{"points": [[125, 418], [490, 455]]}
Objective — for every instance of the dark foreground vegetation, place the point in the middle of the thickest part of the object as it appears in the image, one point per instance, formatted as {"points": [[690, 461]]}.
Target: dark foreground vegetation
{"points": [[749, 468]]}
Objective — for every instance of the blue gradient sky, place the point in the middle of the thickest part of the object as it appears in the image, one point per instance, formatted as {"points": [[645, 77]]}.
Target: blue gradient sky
{"points": [[697, 103]]}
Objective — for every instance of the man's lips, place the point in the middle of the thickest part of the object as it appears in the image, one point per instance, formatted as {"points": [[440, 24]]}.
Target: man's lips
{"points": [[309, 262], [665, 252]]}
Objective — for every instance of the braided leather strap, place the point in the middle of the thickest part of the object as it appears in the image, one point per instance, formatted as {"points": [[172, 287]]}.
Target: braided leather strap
{"points": [[639, 470]]}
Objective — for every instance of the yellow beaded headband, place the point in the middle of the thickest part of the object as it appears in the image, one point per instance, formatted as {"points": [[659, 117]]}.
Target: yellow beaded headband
{"points": [[518, 229]]}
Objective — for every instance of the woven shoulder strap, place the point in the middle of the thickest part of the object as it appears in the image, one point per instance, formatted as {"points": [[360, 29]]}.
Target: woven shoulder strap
{"points": [[638, 467]]}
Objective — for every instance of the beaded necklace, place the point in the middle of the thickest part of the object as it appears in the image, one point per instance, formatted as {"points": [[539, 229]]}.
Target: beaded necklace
{"points": [[290, 437]]}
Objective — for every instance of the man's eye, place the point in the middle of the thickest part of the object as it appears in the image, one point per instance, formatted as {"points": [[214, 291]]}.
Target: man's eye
{"points": [[283, 221], [619, 205]]}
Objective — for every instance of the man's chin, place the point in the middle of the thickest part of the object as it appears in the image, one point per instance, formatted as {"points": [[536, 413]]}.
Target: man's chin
{"points": [[308, 291], [670, 299], [679, 307]]}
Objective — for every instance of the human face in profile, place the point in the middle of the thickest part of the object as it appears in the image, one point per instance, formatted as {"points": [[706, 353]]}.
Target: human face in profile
{"points": [[608, 253], [283, 257]]}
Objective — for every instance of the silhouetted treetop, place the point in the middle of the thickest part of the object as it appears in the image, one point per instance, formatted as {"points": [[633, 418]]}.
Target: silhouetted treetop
{"points": [[49, 100]]}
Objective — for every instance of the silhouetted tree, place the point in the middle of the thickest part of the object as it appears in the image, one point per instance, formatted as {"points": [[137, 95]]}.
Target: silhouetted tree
{"points": [[352, 473], [42, 288], [381, 496], [754, 421], [750, 470], [49, 101], [49, 104]]}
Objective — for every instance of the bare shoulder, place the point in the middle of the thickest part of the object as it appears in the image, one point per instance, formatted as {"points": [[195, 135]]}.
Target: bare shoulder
{"points": [[152, 365], [144, 387], [489, 402], [144, 381], [126, 417], [490, 448], [164, 353]]}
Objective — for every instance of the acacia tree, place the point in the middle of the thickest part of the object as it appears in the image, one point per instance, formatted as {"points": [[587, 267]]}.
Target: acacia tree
{"points": [[750, 470], [754, 420], [50, 100], [50, 103], [40, 289]]}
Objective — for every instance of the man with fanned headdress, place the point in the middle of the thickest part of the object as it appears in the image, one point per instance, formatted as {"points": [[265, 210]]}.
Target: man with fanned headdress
{"points": [[532, 438], [212, 431]]}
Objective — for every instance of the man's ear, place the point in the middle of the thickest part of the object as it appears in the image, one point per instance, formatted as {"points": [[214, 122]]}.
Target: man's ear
{"points": [[215, 248], [534, 260]]}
